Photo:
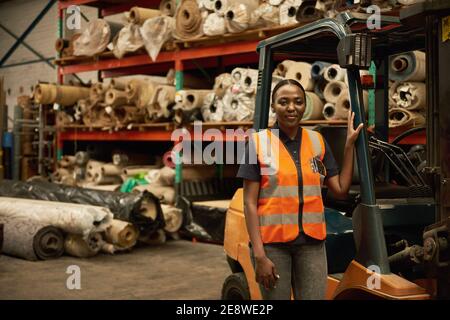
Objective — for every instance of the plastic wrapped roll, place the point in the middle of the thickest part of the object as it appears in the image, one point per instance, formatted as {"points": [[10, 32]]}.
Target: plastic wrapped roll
{"points": [[410, 66], [265, 15], [128, 39], [288, 11], [30, 239], [318, 69], [122, 234], [214, 25], [410, 95], [314, 107], [238, 14], [329, 111], [61, 94], [333, 90], [301, 71], [139, 15], [334, 73], [167, 7], [188, 20], [250, 81], [156, 32], [222, 83], [212, 109], [166, 195], [190, 99], [238, 107], [399, 117], [115, 98], [77, 246]]}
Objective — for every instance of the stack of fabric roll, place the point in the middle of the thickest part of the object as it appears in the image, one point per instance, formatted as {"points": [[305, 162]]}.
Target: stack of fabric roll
{"points": [[407, 93]]}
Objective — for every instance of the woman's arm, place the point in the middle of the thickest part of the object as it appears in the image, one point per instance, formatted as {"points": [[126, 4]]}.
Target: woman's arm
{"points": [[264, 268], [340, 184]]}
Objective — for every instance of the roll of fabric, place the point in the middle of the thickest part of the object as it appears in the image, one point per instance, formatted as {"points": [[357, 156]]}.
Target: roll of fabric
{"points": [[250, 81], [410, 66], [173, 218], [190, 99], [265, 15], [188, 20], [221, 7], [61, 44], [77, 246], [167, 7], [156, 32], [206, 4], [221, 83], [400, 117], [166, 176], [333, 90], [162, 107], [307, 11], [214, 25], [63, 95], [319, 87], [282, 67], [329, 111], [97, 92], [138, 15], [288, 11], [122, 234], [343, 104], [301, 71], [128, 39], [238, 107], [72, 218], [275, 2], [318, 69], [212, 109], [115, 98], [125, 115], [314, 107], [95, 38], [30, 239], [238, 14], [334, 73], [118, 83], [140, 92], [166, 195], [67, 162], [411, 96], [110, 169]]}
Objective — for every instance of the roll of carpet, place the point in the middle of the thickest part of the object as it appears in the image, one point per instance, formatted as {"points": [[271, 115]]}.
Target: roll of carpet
{"points": [[138, 15], [410, 66], [115, 98], [214, 25], [127, 114], [212, 109], [334, 73], [110, 169], [188, 20], [63, 95], [97, 92], [288, 11], [411, 96], [333, 90], [173, 218], [190, 99], [301, 71], [221, 83], [250, 81], [77, 246], [71, 218], [307, 11], [221, 7], [283, 67], [400, 117], [238, 107], [140, 92], [167, 7], [314, 107], [118, 83], [67, 162], [166, 176], [166, 195], [129, 39], [156, 32], [122, 234], [206, 4], [329, 111], [238, 14], [343, 104], [265, 15], [275, 2], [96, 37], [30, 239], [61, 44], [162, 108], [319, 87], [318, 69]]}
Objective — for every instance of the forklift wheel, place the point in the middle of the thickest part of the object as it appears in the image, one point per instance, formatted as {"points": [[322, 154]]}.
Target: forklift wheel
{"points": [[235, 287]]}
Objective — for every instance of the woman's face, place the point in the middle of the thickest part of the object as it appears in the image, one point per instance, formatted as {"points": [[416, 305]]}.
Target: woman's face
{"points": [[289, 105]]}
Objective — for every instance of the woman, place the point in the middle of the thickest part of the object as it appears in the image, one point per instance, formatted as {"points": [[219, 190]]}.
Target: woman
{"points": [[282, 198]]}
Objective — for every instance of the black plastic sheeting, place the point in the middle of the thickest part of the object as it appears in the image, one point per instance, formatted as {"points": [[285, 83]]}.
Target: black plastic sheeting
{"points": [[124, 206]]}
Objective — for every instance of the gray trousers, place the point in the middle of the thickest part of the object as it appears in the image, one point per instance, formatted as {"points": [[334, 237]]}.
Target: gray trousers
{"points": [[302, 268]]}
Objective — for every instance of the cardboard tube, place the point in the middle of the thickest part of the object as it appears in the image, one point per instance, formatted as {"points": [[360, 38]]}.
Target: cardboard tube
{"points": [[301, 71], [139, 15], [61, 94], [122, 234], [332, 90], [115, 98], [110, 169]]}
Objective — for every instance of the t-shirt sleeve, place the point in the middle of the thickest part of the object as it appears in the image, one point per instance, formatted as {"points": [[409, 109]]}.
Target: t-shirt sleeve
{"points": [[249, 167], [330, 162]]}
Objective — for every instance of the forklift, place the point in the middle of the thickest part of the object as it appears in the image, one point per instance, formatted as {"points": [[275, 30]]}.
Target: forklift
{"points": [[393, 241]]}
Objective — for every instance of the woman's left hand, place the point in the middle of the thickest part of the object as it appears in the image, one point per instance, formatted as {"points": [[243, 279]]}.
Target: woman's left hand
{"points": [[352, 134]]}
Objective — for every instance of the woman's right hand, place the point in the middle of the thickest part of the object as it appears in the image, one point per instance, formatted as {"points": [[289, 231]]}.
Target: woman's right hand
{"points": [[265, 272]]}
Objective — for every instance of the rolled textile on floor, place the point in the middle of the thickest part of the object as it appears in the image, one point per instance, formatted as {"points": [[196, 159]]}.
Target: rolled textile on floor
{"points": [[411, 96], [319, 87], [288, 11], [166, 195], [141, 209], [314, 107], [63, 95], [139, 15], [97, 92], [301, 71], [30, 239], [265, 15], [212, 109], [214, 25], [283, 67], [115, 98], [206, 4], [156, 32], [173, 218], [122, 234], [334, 72], [332, 90], [329, 111], [238, 14], [409, 66], [318, 69], [72, 218], [128, 39], [221, 83], [167, 7], [95, 38], [76, 246], [400, 117], [343, 104], [221, 7], [158, 238], [188, 20]]}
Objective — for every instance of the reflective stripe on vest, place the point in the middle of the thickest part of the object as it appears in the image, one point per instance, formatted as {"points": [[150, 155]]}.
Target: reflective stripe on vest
{"points": [[278, 201]]}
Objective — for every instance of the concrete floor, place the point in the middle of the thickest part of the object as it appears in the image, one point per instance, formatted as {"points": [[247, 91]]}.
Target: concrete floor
{"points": [[176, 270]]}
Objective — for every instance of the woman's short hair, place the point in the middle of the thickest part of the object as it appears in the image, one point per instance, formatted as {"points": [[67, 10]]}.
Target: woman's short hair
{"points": [[285, 82]]}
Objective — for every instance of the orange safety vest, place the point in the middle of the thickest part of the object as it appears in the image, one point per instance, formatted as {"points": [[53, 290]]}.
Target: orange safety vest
{"points": [[279, 199]]}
